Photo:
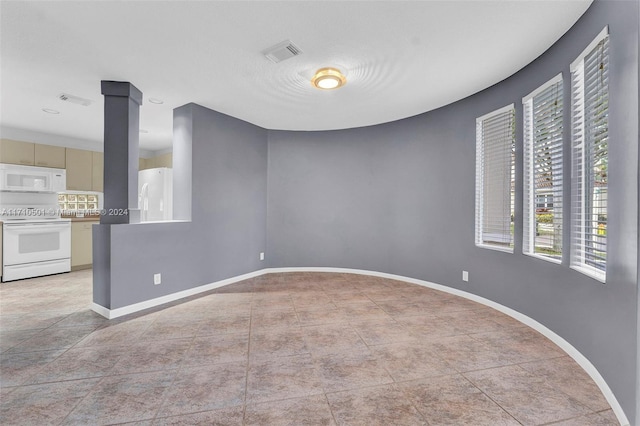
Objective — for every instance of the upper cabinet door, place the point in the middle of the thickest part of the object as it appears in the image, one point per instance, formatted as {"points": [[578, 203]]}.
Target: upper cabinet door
{"points": [[50, 156], [16, 152], [79, 169]]}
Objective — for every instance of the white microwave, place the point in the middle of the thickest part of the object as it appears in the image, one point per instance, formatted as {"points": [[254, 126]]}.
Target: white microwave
{"points": [[18, 178]]}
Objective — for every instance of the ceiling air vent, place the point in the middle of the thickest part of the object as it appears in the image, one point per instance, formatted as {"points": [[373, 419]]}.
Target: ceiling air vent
{"points": [[74, 99], [282, 51]]}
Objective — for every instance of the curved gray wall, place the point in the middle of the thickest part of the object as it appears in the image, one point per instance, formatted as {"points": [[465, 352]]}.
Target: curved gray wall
{"points": [[399, 198]]}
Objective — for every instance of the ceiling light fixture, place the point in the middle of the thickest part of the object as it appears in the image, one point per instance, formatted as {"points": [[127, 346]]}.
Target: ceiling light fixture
{"points": [[156, 101], [50, 111], [328, 78]]}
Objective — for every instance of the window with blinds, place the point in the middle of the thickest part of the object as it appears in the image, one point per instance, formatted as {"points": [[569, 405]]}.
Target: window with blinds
{"points": [[543, 171], [590, 139], [495, 163]]}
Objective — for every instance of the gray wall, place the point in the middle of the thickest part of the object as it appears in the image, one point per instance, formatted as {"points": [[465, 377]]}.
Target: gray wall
{"points": [[399, 198], [228, 227]]}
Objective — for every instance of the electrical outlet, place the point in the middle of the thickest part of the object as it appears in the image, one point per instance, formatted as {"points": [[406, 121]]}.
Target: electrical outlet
{"points": [[261, 255], [465, 275], [157, 279]]}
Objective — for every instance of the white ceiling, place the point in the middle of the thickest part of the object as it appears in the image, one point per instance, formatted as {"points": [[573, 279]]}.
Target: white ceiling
{"points": [[401, 58]]}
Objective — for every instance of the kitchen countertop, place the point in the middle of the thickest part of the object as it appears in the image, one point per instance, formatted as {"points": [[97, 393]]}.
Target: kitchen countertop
{"points": [[87, 218]]}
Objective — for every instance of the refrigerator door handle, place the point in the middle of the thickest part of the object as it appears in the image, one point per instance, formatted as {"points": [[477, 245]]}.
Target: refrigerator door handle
{"points": [[143, 201]]}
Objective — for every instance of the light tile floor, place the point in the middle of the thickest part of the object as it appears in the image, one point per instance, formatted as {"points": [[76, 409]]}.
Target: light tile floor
{"points": [[282, 349]]}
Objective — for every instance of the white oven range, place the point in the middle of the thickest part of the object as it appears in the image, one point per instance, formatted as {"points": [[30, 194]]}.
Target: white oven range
{"points": [[36, 241], [35, 247]]}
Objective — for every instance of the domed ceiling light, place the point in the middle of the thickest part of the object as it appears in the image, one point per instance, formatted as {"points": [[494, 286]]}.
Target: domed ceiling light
{"points": [[328, 78]]}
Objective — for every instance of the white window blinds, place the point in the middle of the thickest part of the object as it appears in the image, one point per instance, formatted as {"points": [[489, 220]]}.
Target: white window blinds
{"points": [[590, 138], [495, 147], [543, 174]]}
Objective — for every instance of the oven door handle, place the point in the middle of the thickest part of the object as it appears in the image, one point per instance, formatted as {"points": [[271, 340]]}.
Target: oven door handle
{"points": [[32, 228]]}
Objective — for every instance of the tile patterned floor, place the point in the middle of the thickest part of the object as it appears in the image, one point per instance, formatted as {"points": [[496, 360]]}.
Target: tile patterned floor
{"points": [[282, 349]]}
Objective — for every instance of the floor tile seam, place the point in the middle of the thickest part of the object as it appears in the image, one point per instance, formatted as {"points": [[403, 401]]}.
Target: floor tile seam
{"points": [[536, 359], [259, 358], [490, 398], [333, 416], [475, 370], [394, 384], [509, 333], [362, 340], [555, 422], [417, 408], [600, 412], [62, 319], [565, 355], [501, 341], [475, 336], [295, 311], [590, 411], [13, 389], [165, 392], [42, 350], [153, 419], [443, 316], [80, 400], [74, 379], [43, 366], [288, 398], [246, 374], [428, 377], [386, 369], [280, 399], [178, 367], [6, 351], [358, 389], [549, 383], [20, 330], [148, 324]]}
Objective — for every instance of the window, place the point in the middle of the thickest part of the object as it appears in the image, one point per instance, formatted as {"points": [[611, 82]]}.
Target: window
{"points": [[590, 139], [495, 147], [543, 171]]}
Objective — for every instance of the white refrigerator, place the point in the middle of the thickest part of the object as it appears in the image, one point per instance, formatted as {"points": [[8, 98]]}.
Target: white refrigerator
{"points": [[155, 194]]}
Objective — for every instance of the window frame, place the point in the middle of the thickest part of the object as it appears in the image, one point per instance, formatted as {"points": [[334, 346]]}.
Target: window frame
{"points": [[480, 179], [530, 195], [578, 160]]}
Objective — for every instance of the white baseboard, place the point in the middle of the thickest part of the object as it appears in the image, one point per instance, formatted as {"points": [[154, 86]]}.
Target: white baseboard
{"points": [[152, 303], [555, 338]]}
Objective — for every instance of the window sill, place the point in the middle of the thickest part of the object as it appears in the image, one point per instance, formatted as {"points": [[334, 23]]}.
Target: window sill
{"points": [[547, 258], [496, 248], [594, 273]]}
